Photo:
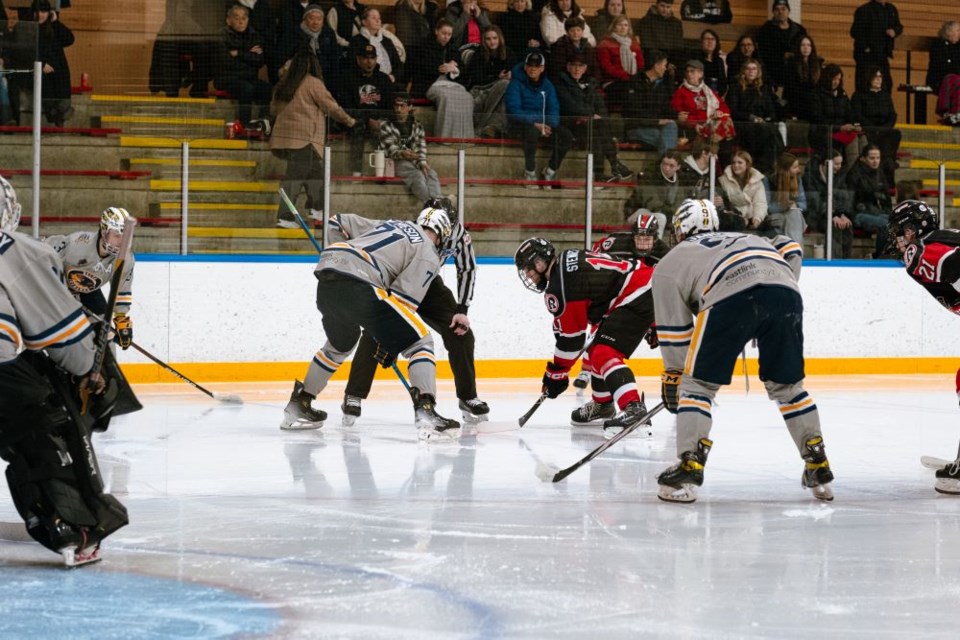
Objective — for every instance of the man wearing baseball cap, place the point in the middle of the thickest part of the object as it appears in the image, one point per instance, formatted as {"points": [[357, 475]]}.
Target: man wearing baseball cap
{"points": [[368, 97]]}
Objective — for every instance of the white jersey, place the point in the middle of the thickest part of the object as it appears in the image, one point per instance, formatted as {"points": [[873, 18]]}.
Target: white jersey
{"points": [[394, 255], [85, 271], [36, 310], [707, 268]]}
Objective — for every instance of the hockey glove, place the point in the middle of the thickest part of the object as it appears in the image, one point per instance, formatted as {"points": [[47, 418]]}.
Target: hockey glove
{"points": [[651, 337], [670, 389], [124, 326], [556, 379], [384, 357]]}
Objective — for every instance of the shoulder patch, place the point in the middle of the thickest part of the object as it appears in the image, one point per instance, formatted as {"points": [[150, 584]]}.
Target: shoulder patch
{"points": [[909, 254], [553, 304]]}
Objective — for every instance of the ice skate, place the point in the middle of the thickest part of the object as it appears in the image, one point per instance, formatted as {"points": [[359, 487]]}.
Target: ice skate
{"points": [[816, 473], [432, 426], [679, 483], [350, 409], [593, 413], [474, 410], [299, 415], [81, 553], [948, 479], [633, 413]]}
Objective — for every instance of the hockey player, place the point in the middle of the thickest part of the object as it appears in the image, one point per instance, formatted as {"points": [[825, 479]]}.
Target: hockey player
{"points": [[932, 259], [713, 293], [442, 313], [88, 260], [46, 354], [374, 282], [583, 289]]}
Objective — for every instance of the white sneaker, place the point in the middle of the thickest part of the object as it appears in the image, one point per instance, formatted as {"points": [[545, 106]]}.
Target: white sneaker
{"points": [[530, 175], [549, 174]]}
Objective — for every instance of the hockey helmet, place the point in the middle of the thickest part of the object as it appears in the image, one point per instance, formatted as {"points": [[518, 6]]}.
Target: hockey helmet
{"points": [[910, 215], [437, 220], [113, 219], [645, 232], [695, 216], [526, 257], [444, 203], [9, 206]]}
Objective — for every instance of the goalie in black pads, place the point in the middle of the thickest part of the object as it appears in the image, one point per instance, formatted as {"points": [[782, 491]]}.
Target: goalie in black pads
{"points": [[932, 259], [47, 352]]}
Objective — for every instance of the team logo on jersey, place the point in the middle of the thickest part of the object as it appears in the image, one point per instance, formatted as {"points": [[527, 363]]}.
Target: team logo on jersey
{"points": [[606, 244], [553, 304], [910, 253], [5, 243], [83, 281]]}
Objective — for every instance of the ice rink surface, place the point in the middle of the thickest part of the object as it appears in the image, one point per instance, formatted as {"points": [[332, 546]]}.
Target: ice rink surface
{"points": [[240, 530]]}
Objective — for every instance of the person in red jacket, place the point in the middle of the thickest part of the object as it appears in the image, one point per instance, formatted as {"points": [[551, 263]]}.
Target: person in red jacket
{"points": [[620, 62], [699, 108]]}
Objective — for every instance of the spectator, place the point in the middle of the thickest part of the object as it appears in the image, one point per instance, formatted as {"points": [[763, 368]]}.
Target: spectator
{"points": [[876, 24], [699, 109], [650, 117], [600, 22], [315, 33], [469, 18], [301, 104], [263, 21], [404, 141], [571, 44], [743, 191], [874, 110], [832, 120], [660, 191], [533, 111], [620, 61], [52, 38], [871, 196], [487, 76], [753, 113], [695, 172], [16, 52], [553, 17], [943, 73], [238, 65], [436, 71], [815, 188], [746, 49], [714, 62], [709, 11], [414, 20], [777, 37], [344, 20], [786, 199], [662, 30], [391, 53], [521, 28], [583, 107], [801, 79], [367, 97]]}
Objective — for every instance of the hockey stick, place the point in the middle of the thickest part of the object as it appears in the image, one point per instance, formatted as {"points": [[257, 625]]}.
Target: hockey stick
{"points": [[549, 473], [229, 398], [316, 245], [500, 427]]}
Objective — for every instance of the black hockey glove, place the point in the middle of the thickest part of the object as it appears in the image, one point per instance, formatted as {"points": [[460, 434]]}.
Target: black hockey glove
{"points": [[651, 337], [670, 389], [124, 327], [384, 357], [556, 379]]}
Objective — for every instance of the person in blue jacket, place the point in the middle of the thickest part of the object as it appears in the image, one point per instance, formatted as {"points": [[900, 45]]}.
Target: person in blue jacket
{"points": [[533, 112]]}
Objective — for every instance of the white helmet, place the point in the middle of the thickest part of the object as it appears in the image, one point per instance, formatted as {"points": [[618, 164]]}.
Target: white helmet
{"points": [[113, 219], [9, 207], [695, 216], [437, 220]]}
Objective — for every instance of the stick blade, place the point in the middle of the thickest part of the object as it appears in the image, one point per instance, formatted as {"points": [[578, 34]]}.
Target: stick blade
{"points": [[546, 472], [932, 462], [228, 398]]}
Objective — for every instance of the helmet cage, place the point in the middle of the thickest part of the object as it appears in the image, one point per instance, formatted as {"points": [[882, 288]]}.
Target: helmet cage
{"points": [[526, 259]]}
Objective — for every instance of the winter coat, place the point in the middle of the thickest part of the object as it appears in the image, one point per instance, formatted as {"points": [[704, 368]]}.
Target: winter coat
{"points": [[394, 50], [370, 96], [344, 21], [243, 66], [869, 188], [815, 189], [944, 60], [519, 28], [873, 109], [51, 43], [773, 203], [608, 60], [412, 26], [656, 193], [526, 104], [749, 103], [773, 44], [653, 98], [749, 201], [663, 34], [870, 23], [426, 59], [715, 73], [481, 71], [303, 120], [579, 99], [394, 142], [799, 88], [563, 49], [461, 22], [695, 105]]}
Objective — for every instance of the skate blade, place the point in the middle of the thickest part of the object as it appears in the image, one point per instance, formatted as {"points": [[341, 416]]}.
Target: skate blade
{"points": [[299, 424], [639, 432], [683, 493], [72, 557], [473, 418], [429, 434], [822, 492], [947, 486]]}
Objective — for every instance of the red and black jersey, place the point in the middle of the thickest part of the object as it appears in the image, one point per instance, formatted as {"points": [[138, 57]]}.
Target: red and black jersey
{"points": [[621, 245], [934, 262], [585, 287]]}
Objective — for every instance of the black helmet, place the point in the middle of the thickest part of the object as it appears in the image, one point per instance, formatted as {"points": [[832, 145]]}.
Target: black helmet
{"points": [[914, 215], [526, 256], [646, 226], [444, 203]]}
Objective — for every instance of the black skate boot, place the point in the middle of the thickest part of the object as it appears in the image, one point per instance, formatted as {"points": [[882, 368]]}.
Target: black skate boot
{"points": [[299, 415], [593, 413], [948, 479], [474, 410], [679, 483], [433, 427], [816, 473], [633, 413], [350, 409]]}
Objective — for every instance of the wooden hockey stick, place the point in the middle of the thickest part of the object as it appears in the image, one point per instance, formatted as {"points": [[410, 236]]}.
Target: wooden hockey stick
{"points": [[229, 398], [549, 473], [500, 427], [303, 225]]}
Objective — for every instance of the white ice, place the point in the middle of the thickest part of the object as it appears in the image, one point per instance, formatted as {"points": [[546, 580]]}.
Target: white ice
{"points": [[239, 529]]}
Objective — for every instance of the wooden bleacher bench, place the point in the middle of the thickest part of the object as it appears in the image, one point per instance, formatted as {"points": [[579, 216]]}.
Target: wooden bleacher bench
{"points": [[72, 173]]}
